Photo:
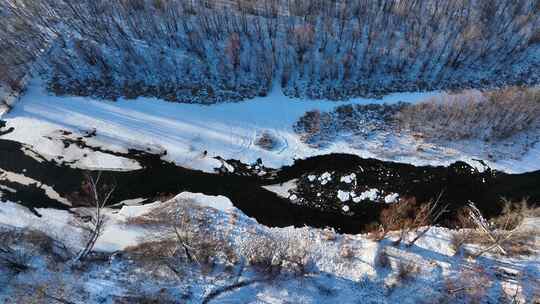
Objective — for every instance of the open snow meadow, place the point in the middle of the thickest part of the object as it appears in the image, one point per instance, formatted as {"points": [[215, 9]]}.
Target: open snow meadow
{"points": [[185, 131], [269, 151]]}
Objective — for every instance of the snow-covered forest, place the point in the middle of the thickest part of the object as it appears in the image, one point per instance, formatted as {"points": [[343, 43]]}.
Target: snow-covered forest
{"points": [[213, 51]]}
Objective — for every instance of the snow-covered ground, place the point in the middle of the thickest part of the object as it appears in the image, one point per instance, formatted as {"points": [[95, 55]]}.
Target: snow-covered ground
{"points": [[344, 267], [228, 130]]}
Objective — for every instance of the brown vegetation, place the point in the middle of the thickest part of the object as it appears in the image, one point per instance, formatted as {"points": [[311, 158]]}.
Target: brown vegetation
{"points": [[406, 270], [266, 141], [184, 233], [409, 217], [470, 285], [382, 259], [502, 234], [490, 116], [273, 254]]}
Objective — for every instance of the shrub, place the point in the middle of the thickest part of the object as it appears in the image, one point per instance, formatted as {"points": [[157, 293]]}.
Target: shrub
{"points": [[513, 214], [19, 246], [315, 128], [319, 129], [504, 232], [346, 252], [399, 216], [406, 270], [382, 259], [184, 232], [490, 116], [267, 141], [273, 254], [470, 285], [457, 240]]}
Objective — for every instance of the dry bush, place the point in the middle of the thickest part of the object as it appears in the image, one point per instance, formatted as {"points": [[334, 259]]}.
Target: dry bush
{"points": [[19, 246], [398, 216], [346, 251], [513, 214], [48, 287], [328, 234], [185, 233], [40, 292], [273, 254], [267, 141], [318, 129], [376, 232], [521, 243], [457, 240], [503, 233], [315, 128], [153, 249], [470, 285], [263, 253], [489, 116], [382, 259], [164, 197], [406, 270], [156, 217], [409, 217], [145, 299]]}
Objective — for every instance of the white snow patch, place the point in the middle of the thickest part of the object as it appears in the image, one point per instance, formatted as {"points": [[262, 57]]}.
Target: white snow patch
{"points": [[228, 166], [371, 194], [218, 202], [348, 178], [282, 189], [391, 198], [343, 195], [54, 223], [132, 202], [325, 178]]}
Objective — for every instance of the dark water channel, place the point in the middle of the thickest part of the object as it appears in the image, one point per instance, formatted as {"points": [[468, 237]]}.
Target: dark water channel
{"points": [[458, 183]]}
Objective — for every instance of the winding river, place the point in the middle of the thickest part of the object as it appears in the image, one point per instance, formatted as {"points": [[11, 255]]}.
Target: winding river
{"points": [[456, 184]]}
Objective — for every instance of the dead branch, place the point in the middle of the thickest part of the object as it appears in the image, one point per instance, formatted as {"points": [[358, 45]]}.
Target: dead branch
{"points": [[489, 231]]}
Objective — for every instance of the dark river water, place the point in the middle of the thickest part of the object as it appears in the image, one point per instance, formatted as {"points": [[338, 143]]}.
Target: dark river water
{"points": [[457, 184]]}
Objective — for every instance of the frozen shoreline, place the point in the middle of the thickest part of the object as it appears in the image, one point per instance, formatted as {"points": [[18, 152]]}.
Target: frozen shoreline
{"points": [[194, 134]]}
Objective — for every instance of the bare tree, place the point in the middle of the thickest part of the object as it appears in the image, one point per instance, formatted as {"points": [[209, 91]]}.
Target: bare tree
{"points": [[94, 220], [179, 225]]}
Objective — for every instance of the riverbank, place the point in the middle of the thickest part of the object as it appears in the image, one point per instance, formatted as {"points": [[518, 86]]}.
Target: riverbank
{"points": [[193, 135], [241, 260]]}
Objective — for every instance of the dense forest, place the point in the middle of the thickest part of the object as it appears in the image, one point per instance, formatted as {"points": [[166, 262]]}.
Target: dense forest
{"points": [[213, 51]]}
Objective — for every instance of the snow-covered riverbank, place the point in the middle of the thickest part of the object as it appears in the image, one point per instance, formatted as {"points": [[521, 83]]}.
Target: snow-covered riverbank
{"points": [[192, 134], [346, 267]]}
